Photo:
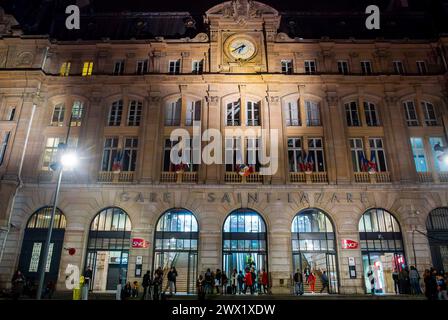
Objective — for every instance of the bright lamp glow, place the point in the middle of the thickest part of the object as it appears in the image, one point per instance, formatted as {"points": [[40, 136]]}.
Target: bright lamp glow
{"points": [[69, 160]]}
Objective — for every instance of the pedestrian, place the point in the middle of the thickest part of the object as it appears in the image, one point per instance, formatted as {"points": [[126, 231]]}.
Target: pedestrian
{"points": [[234, 281], [414, 278], [224, 281], [254, 280], [264, 281], [208, 279], [172, 276], [200, 287], [259, 281], [218, 280], [248, 283], [49, 289], [312, 281], [298, 283], [135, 289], [441, 287], [146, 284], [157, 283], [18, 282], [307, 273], [240, 279], [88, 276], [395, 279], [325, 282], [403, 279], [126, 292], [371, 278]]}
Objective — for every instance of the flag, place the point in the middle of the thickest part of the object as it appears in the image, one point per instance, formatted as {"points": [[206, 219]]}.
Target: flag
{"points": [[117, 165], [302, 163], [309, 163], [372, 163]]}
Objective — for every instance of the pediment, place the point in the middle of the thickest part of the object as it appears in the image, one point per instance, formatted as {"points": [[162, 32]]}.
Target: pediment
{"points": [[238, 9]]}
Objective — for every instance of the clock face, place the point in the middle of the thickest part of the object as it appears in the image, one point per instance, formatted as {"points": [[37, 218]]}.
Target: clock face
{"points": [[242, 49]]}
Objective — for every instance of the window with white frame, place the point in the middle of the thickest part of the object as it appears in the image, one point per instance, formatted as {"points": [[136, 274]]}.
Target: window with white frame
{"points": [[294, 154], [312, 114], [115, 113], [64, 71], [410, 113], [187, 156], [173, 112], [440, 164], [130, 153], [253, 113], [292, 114], [174, 67], [142, 67], [118, 68], [252, 153], [233, 153], [430, 114], [287, 67], [168, 166], [197, 66], [77, 113], [87, 68], [11, 113], [352, 114], [135, 113], [57, 119], [110, 153], [343, 67], [366, 67], [398, 67], [193, 112], [4, 146], [316, 154], [233, 113], [371, 114], [377, 154], [418, 151], [310, 66], [50, 152], [357, 152], [421, 67]]}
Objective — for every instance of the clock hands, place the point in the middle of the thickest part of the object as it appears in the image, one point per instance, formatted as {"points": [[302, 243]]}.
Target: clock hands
{"points": [[240, 48]]}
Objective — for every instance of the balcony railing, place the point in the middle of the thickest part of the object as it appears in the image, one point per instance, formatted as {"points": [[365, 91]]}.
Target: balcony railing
{"points": [[425, 177], [308, 177], [319, 177], [116, 177], [297, 177], [235, 177], [179, 177], [376, 177], [362, 177], [443, 177]]}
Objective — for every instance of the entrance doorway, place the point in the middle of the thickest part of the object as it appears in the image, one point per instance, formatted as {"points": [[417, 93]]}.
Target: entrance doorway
{"points": [[437, 226]]}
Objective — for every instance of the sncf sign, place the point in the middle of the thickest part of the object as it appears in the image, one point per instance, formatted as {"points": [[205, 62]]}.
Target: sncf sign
{"points": [[349, 244], [139, 243]]}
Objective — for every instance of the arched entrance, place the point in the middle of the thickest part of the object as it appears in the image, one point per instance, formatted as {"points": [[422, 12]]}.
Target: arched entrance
{"points": [[34, 241], [176, 245], [382, 249], [244, 242], [314, 247], [437, 227], [108, 249]]}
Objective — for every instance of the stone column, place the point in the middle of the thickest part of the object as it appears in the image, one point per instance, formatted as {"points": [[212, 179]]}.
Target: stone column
{"points": [[152, 143], [276, 123], [214, 172]]}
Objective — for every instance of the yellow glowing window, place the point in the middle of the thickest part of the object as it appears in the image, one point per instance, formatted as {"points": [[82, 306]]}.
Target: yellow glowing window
{"points": [[65, 69], [87, 69]]}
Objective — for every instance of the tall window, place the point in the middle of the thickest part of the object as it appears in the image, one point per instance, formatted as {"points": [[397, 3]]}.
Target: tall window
{"points": [[109, 153], [142, 67], [130, 153], [118, 68], [253, 113], [233, 117], [233, 153], [371, 114], [287, 67], [421, 67], [343, 67], [57, 120], [252, 148], [377, 154], [64, 71], [174, 67], [430, 114], [11, 114], [398, 67], [197, 66], [418, 150], [173, 112], [168, 166], [135, 113], [294, 154], [115, 113], [51, 149], [310, 66], [316, 154], [87, 68], [193, 112], [440, 164], [410, 114], [366, 67], [357, 151], [292, 116], [352, 114], [77, 112], [312, 114], [4, 146]]}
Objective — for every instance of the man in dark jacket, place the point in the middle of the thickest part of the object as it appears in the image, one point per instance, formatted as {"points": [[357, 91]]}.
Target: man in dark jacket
{"points": [[324, 279], [146, 283], [298, 283]]}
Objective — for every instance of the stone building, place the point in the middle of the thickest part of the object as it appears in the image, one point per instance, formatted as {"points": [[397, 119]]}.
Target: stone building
{"points": [[360, 184]]}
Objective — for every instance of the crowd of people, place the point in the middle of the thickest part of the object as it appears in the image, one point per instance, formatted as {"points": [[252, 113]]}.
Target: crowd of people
{"points": [[309, 277]]}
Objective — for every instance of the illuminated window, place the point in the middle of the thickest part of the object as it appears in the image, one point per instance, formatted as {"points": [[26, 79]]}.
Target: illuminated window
{"points": [[193, 112], [57, 120], [357, 151], [418, 150], [115, 113], [64, 71], [172, 113], [295, 154], [50, 152], [87, 68], [77, 112], [135, 113], [253, 113], [292, 115], [110, 153]]}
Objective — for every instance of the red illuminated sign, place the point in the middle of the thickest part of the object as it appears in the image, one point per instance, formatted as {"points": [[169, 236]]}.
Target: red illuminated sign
{"points": [[349, 244], [139, 243]]}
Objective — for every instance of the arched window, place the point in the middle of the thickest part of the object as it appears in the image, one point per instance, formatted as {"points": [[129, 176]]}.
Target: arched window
{"points": [[437, 227], [41, 219], [382, 249], [314, 248], [108, 248]]}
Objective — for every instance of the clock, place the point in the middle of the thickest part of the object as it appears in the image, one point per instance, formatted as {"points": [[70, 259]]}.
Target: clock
{"points": [[241, 49]]}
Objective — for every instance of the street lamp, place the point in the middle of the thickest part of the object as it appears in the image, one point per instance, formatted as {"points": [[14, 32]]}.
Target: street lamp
{"points": [[67, 160]]}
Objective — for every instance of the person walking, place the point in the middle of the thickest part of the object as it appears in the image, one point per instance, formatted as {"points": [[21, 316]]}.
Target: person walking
{"points": [[307, 273], [441, 287], [234, 281], [414, 278], [218, 280], [146, 285], [18, 282], [298, 283], [371, 279], [264, 281], [240, 279], [395, 279], [172, 275], [200, 287], [126, 292], [157, 283], [403, 279], [325, 282], [254, 280], [88, 276], [224, 281], [248, 282], [312, 281], [208, 282], [259, 281]]}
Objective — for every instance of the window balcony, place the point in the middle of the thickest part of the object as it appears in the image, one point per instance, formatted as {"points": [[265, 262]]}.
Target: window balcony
{"points": [[116, 177], [235, 177], [308, 177], [443, 177], [377, 177], [179, 177], [425, 177]]}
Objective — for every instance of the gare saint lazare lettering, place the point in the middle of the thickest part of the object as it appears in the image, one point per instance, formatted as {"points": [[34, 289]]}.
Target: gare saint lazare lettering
{"points": [[303, 197]]}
